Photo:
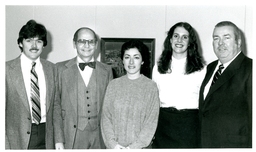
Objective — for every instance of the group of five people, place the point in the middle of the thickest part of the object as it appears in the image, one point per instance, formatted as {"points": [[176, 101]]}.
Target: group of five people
{"points": [[76, 104]]}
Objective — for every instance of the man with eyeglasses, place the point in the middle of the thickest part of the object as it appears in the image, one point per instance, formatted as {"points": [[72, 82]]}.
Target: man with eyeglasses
{"points": [[82, 83]]}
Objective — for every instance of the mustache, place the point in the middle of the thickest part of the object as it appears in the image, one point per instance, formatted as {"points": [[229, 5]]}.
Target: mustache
{"points": [[34, 49], [222, 47]]}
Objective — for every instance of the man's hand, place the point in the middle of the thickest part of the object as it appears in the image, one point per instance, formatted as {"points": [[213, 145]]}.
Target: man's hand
{"points": [[59, 146]]}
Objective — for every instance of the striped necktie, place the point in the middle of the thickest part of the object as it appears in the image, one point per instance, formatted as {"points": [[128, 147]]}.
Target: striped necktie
{"points": [[217, 74], [35, 95]]}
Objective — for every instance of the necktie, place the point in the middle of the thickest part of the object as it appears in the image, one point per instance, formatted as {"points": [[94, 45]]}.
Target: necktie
{"points": [[35, 96], [217, 74], [90, 64]]}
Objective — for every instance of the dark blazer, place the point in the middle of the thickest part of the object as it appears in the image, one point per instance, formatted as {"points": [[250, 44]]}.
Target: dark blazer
{"points": [[65, 107], [18, 120], [226, 112]]}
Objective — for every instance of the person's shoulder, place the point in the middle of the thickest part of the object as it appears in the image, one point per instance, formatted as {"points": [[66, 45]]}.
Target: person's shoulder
{"points": [[114, 83], [201, 71], [12, 61], [66, 63], [117, 80], [247, 64], [46, 62], [148, 82], [248, 60], [104, 65], [62, 63], [212, 63]]}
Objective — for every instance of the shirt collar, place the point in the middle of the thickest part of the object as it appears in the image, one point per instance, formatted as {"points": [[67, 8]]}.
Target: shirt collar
{"points": [[28, 61], [227, 64], [79, 60]]}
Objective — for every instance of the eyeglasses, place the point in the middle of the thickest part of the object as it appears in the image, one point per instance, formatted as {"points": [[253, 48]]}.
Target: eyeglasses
{"points": [[81, 43]]}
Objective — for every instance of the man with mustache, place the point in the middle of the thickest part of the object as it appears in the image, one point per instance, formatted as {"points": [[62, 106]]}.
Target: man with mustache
{"points": [[30, 92], [225, 102]]}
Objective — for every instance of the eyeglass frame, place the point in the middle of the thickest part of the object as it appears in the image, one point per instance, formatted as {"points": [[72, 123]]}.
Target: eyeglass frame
{"points": [[82, 42]]}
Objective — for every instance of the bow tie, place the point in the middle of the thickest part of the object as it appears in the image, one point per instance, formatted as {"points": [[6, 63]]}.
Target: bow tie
{"points": [[90, 64]]}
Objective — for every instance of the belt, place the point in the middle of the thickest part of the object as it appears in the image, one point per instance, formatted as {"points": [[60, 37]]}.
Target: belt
{"points": [[178, 110], [34, 124]]}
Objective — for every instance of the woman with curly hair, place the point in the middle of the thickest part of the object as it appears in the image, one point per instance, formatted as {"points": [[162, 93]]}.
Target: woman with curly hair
{"points": [[178, 74]]}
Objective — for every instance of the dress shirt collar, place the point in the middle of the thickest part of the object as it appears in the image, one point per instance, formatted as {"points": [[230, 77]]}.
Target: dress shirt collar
{"points": [[26, 61], [79, 60], [227, 64]]}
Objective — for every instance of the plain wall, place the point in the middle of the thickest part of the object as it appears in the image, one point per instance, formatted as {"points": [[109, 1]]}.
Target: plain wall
{"points": [[125, 21]]}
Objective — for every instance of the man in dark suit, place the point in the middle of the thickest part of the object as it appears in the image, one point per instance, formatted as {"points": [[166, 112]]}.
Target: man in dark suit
{"points": [[82, 84], [30, 91], [225, 103]]}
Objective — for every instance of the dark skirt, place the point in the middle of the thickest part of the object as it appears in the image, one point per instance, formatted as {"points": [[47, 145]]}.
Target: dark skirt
{"points": [[177, 129]]}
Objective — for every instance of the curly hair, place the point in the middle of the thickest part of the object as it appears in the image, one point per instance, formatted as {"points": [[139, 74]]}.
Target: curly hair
{"points": [[144, 51], [194, 60]]}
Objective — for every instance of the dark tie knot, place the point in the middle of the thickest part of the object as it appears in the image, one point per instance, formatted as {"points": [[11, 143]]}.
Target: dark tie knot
{"points": [[33, 64], [221, 66], [217, 74], [90, 64]]}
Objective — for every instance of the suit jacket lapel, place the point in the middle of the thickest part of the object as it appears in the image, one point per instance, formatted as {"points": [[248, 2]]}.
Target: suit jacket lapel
{"points": [[48, 73], [210, 70], [227, 74], [18, 81], [70, 77], [101, 75]]}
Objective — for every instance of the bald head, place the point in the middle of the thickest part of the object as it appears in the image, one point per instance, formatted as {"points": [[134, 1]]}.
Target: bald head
{"points": [[84, 29]]}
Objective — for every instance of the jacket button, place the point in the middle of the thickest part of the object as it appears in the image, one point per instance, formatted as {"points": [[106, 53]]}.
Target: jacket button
{"points": [[87, 97], [29, 118], [28, 132], [89, 118], [74, 126], [89, 111]]}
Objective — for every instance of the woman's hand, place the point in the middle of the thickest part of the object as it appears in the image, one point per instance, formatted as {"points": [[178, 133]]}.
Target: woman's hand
{"points": [[119, 147]]}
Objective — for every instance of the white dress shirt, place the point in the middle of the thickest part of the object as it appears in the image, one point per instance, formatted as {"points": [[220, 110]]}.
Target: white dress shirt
{"points": [[26, 65], [208, 85], [177, 89], [86, 74]]}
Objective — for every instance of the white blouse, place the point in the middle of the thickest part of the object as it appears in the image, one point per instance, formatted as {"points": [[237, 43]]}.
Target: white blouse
{"points": [[177, 89]]}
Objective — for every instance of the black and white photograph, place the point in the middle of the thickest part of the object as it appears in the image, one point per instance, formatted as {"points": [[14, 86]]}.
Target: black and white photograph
{"points": [[133, 75]]}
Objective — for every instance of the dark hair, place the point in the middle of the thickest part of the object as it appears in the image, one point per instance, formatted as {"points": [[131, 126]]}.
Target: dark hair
{"points": [[237, 31], [31, 30], [144, 51], [194, 60], [84, 28]]}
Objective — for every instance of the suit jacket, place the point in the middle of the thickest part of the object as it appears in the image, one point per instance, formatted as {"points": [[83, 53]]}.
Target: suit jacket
{"points": [[18, 120], [226, 112], [65, 107]]}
